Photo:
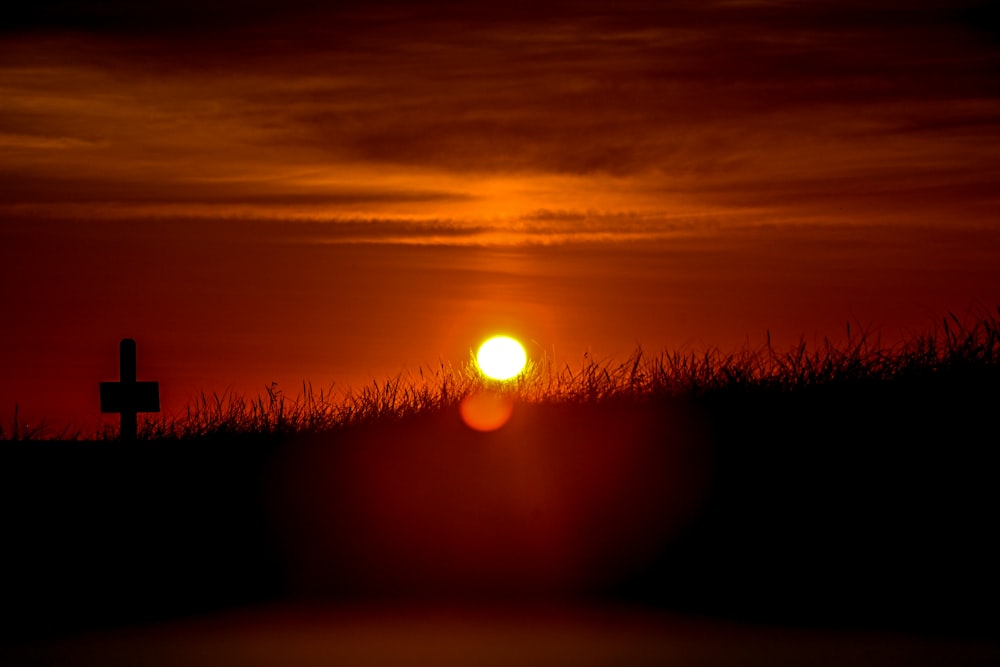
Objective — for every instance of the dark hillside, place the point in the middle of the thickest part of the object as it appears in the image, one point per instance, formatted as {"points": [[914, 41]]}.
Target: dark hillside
{"points": [[861, 494]]}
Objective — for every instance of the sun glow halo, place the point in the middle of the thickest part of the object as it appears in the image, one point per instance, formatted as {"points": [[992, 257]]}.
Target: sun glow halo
{"points": [[501, 358]]}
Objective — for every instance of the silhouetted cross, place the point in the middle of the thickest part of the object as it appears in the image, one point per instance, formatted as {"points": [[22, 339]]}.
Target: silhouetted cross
{"points": [[128, 396]]}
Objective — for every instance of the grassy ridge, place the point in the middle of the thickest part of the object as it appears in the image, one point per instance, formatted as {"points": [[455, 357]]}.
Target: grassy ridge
{"points": [[958, 353]]}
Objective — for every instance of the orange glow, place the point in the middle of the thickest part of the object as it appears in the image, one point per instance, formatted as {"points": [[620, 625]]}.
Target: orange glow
{"points": [[486, 410], [558, 500]]}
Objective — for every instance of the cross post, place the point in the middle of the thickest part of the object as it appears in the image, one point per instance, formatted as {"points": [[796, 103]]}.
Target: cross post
{"points": [[127, 396]]}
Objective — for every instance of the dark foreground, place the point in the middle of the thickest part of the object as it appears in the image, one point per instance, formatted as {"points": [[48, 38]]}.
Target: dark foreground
{"points": [[842, 528], [306, 636]]}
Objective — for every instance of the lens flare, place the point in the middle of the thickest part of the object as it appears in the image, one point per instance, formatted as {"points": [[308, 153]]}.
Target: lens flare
{"points": [[486, 411], [501, 358]]}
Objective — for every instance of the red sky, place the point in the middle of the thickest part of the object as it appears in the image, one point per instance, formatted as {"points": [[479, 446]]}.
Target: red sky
{"points": [[342, 192]]}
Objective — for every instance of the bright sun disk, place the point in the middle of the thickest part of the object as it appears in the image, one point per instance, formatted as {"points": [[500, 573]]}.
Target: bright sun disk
{"points": [[501, 358]]}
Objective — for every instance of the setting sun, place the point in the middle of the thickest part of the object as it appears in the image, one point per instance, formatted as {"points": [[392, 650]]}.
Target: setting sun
{"points": [[501, 358]]}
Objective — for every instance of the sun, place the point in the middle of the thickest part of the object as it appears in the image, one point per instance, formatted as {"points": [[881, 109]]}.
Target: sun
{"points": [[501, 358]]}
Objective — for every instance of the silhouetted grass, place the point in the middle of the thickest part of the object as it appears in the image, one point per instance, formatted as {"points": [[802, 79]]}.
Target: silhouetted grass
{"points": [[959, 352], [20, 431], [956, 353]]}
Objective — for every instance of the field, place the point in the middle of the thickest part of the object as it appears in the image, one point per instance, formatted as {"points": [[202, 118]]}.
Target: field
{"points": [[836, 488]]}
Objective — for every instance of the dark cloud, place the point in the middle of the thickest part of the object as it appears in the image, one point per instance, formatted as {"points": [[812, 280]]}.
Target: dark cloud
{"points": [[617, 92], [155, 17], [92, 189], [730, 101]]}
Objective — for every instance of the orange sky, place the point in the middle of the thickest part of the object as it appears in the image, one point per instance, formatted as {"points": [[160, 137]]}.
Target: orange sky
{"points": [[340, 192]]}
